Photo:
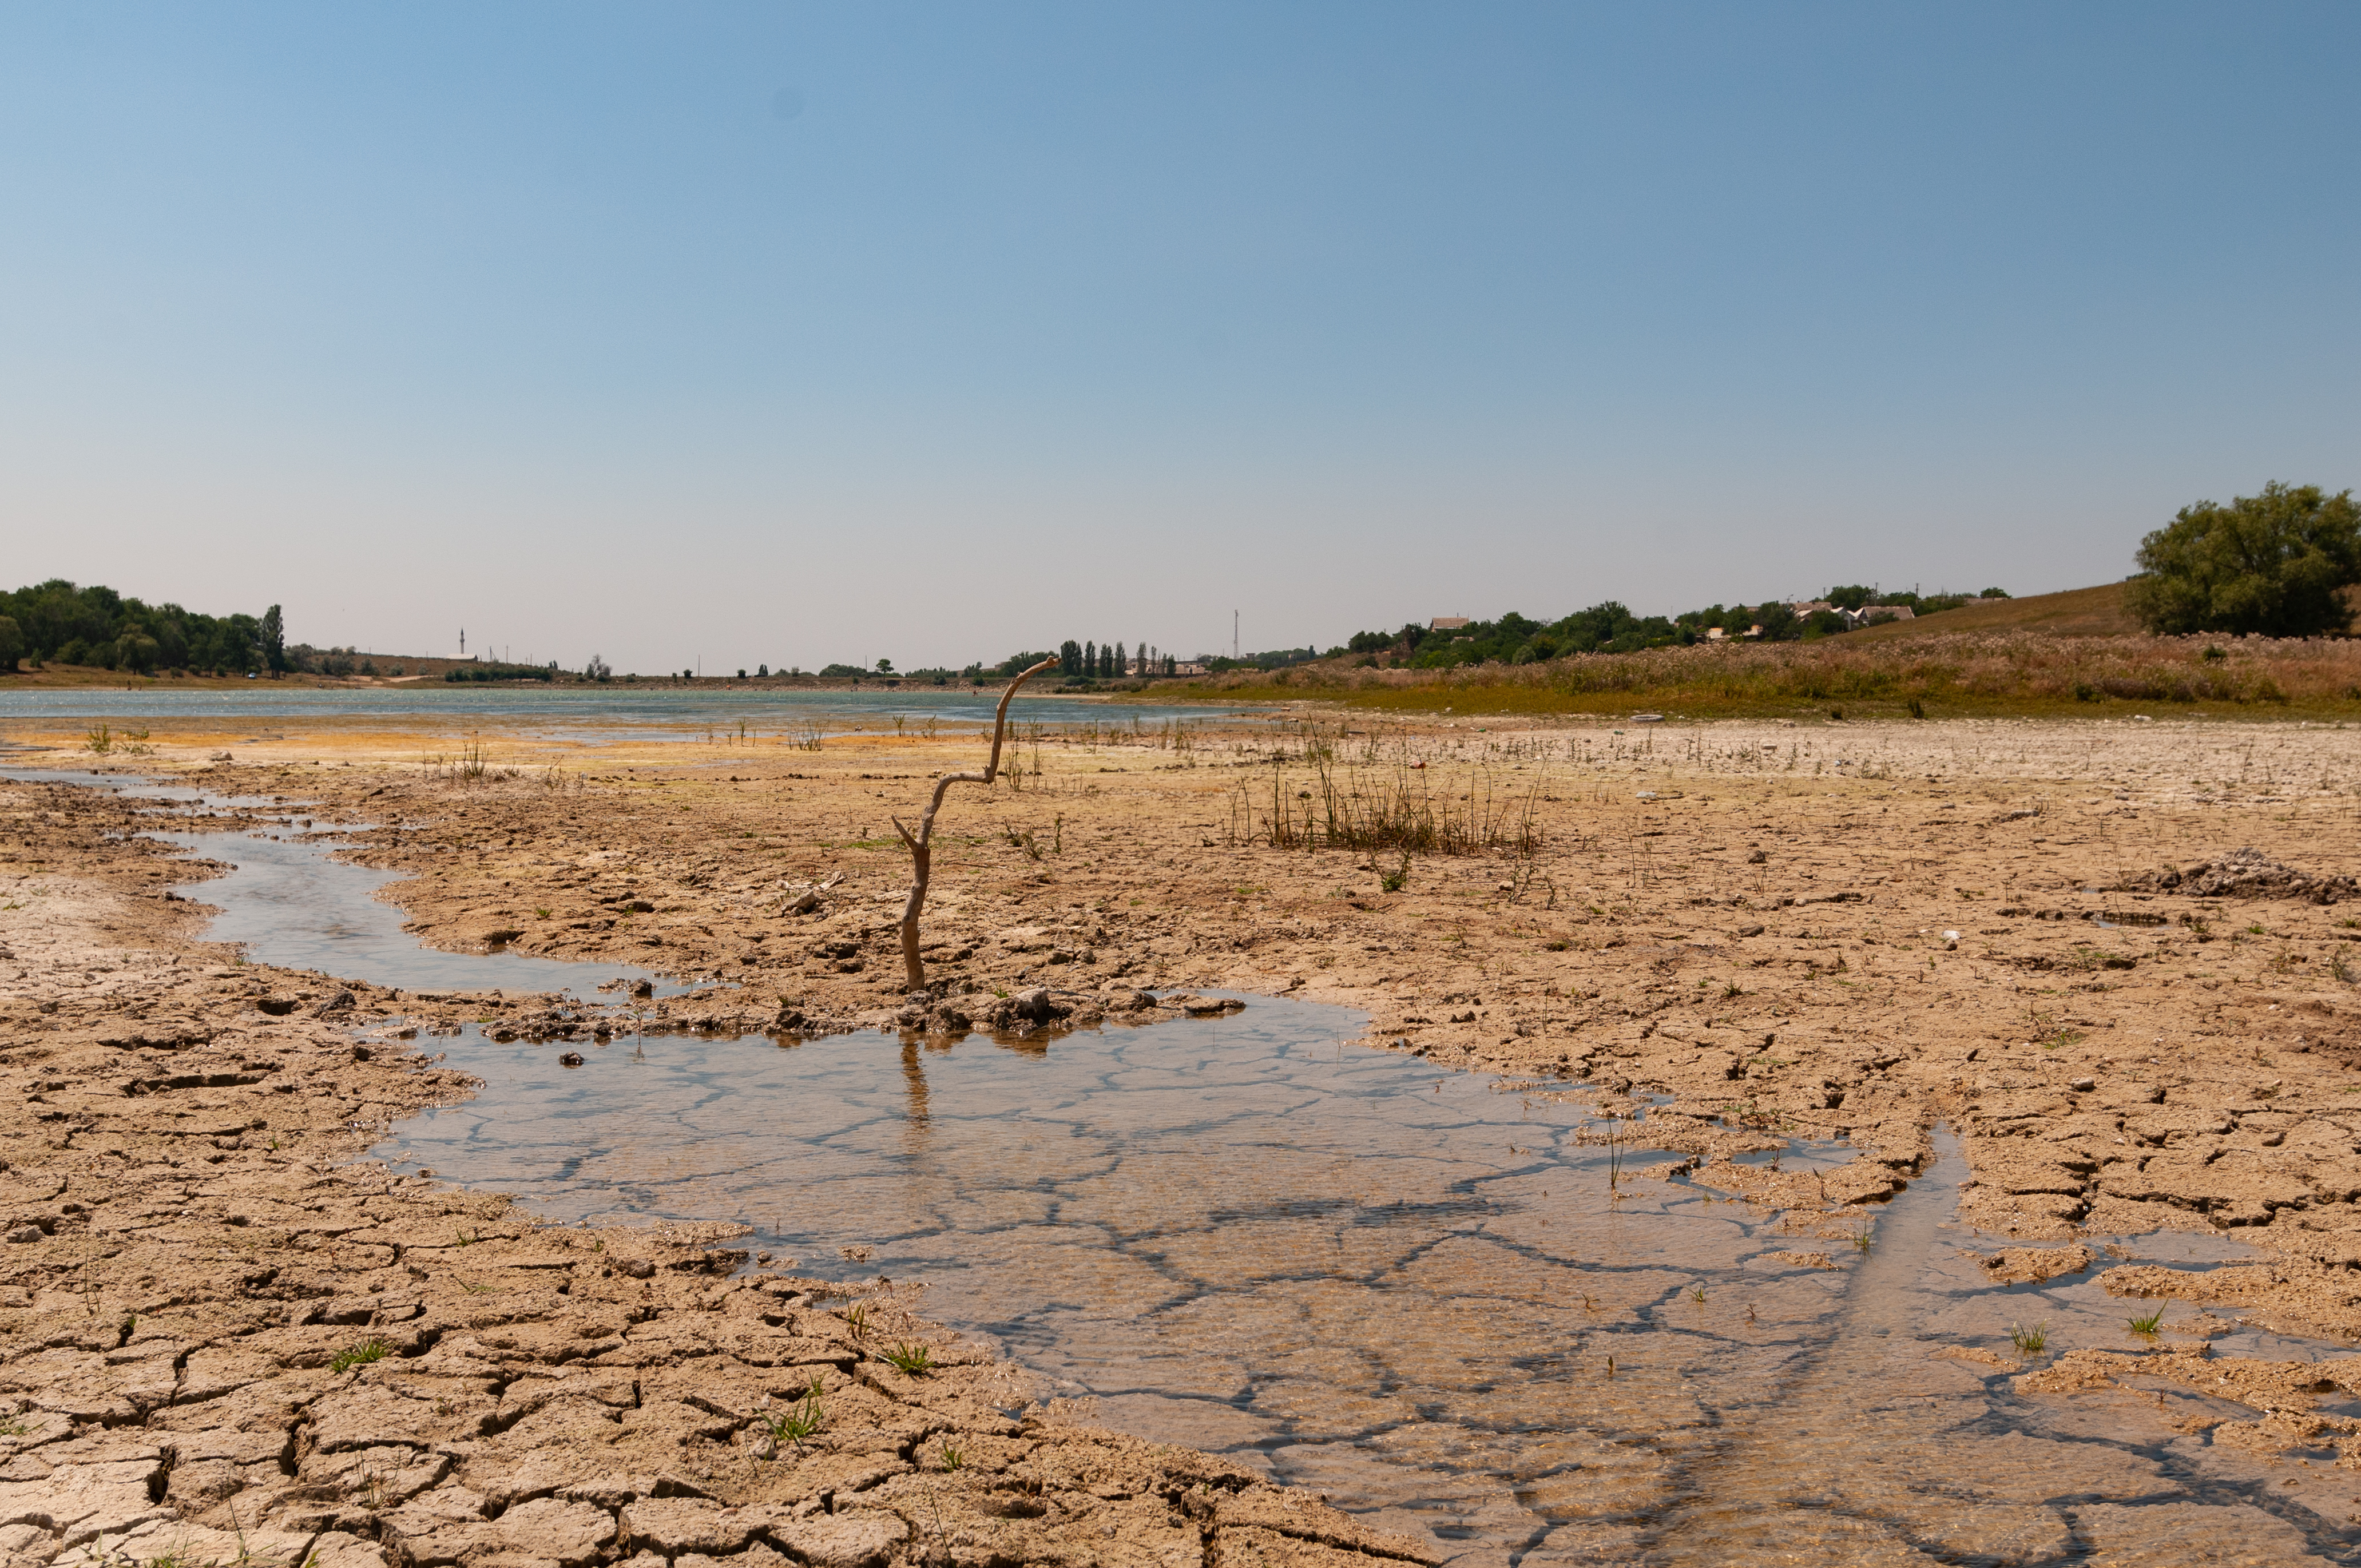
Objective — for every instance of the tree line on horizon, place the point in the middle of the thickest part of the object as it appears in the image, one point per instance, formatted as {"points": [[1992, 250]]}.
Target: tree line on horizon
{"points": [[2285, 562], [1609, 627], [58, 622]]}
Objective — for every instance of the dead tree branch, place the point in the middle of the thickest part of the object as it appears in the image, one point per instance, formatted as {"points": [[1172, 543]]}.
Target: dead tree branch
{"points": [[922, 842]]}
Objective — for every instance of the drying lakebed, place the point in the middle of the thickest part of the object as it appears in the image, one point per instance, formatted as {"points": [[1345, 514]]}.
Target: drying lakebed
{"points": [[1448, 1301]]}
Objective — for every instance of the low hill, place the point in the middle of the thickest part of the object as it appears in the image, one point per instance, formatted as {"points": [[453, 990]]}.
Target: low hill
{"points": [[2076, 612]]}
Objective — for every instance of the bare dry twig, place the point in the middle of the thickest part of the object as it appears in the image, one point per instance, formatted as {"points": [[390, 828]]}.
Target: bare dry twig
{"points": [[922, 843]]}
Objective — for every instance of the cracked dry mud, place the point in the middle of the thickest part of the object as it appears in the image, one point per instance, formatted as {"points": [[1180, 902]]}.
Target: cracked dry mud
{"points": [[1777, 941]]}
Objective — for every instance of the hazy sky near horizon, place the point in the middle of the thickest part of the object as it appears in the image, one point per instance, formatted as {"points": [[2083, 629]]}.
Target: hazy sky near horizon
{"points": [[790, 334]]}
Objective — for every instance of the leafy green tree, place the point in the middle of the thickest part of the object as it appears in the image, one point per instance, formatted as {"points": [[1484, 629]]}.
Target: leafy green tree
{"points": [[1824, 623], [12, 642], [1779, 623], [274, 638], [2268, 565], [885, 667]]}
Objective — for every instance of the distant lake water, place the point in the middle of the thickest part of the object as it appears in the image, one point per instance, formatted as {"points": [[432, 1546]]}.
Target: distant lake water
{"points": [[583, 708]]}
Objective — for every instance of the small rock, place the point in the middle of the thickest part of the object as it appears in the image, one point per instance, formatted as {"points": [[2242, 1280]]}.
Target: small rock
{"points": [[2083, 1085], [571, 1058], [1757, 857], [635, 1267], [642, 988], [1750, 930], [27, 1232]]}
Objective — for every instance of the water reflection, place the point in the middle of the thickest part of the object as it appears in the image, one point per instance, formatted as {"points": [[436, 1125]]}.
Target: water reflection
{"points": [[1411, 1289]]}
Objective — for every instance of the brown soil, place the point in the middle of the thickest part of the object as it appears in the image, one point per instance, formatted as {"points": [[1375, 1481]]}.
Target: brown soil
{"points": [[1727, 917], [222, 1341]]}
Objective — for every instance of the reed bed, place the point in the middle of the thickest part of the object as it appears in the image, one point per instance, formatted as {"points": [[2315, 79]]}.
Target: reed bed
{"points": [[1391, 811]]}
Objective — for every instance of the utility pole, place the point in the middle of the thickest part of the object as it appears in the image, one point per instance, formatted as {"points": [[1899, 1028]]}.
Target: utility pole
{"points": [[1233, 635], [463, 643]]}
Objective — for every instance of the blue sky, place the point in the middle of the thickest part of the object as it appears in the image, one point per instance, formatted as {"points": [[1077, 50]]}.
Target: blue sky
{"points": [[785, 334]]}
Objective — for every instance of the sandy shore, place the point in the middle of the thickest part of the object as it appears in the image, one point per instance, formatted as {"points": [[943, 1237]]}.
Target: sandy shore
{"points": [[1832, 931]]}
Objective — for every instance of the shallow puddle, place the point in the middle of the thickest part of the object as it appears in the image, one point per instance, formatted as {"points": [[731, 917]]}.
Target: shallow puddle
{"points": [[290, 903], [1410, 1289]]}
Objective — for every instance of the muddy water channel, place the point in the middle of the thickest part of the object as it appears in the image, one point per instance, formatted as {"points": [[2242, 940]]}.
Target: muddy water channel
{"points": [[290, 903], [1412, 1290]]}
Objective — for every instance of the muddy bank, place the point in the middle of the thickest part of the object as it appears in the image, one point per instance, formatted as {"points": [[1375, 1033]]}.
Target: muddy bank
{"points": [[1827, 933], [1840, 932], [218, 1337]]}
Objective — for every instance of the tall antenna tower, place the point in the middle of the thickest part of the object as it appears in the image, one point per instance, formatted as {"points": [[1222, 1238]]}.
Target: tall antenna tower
{"points": [[1234, 636]]}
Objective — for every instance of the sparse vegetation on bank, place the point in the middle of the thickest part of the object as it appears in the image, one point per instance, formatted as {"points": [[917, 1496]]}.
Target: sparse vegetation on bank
{"points": [[2000, 673]]}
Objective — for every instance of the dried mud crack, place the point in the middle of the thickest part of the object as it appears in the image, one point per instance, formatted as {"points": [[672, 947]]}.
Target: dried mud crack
{"points": [[2052, 936], [219, 1343]]}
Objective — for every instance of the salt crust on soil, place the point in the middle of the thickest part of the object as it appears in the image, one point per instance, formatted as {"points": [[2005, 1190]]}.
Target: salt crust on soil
{"points": [[1816, 932]]}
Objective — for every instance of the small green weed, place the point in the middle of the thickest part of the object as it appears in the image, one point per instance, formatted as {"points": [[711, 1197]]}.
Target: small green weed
{"points": [[953, 1458], [1392, 880], [360, 1355], [856, 1318], [1697, 1294], [2028, 1339], [803, 1420], [915, 1359], [541, 911], [2149, 1324], [14, 1427]]}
